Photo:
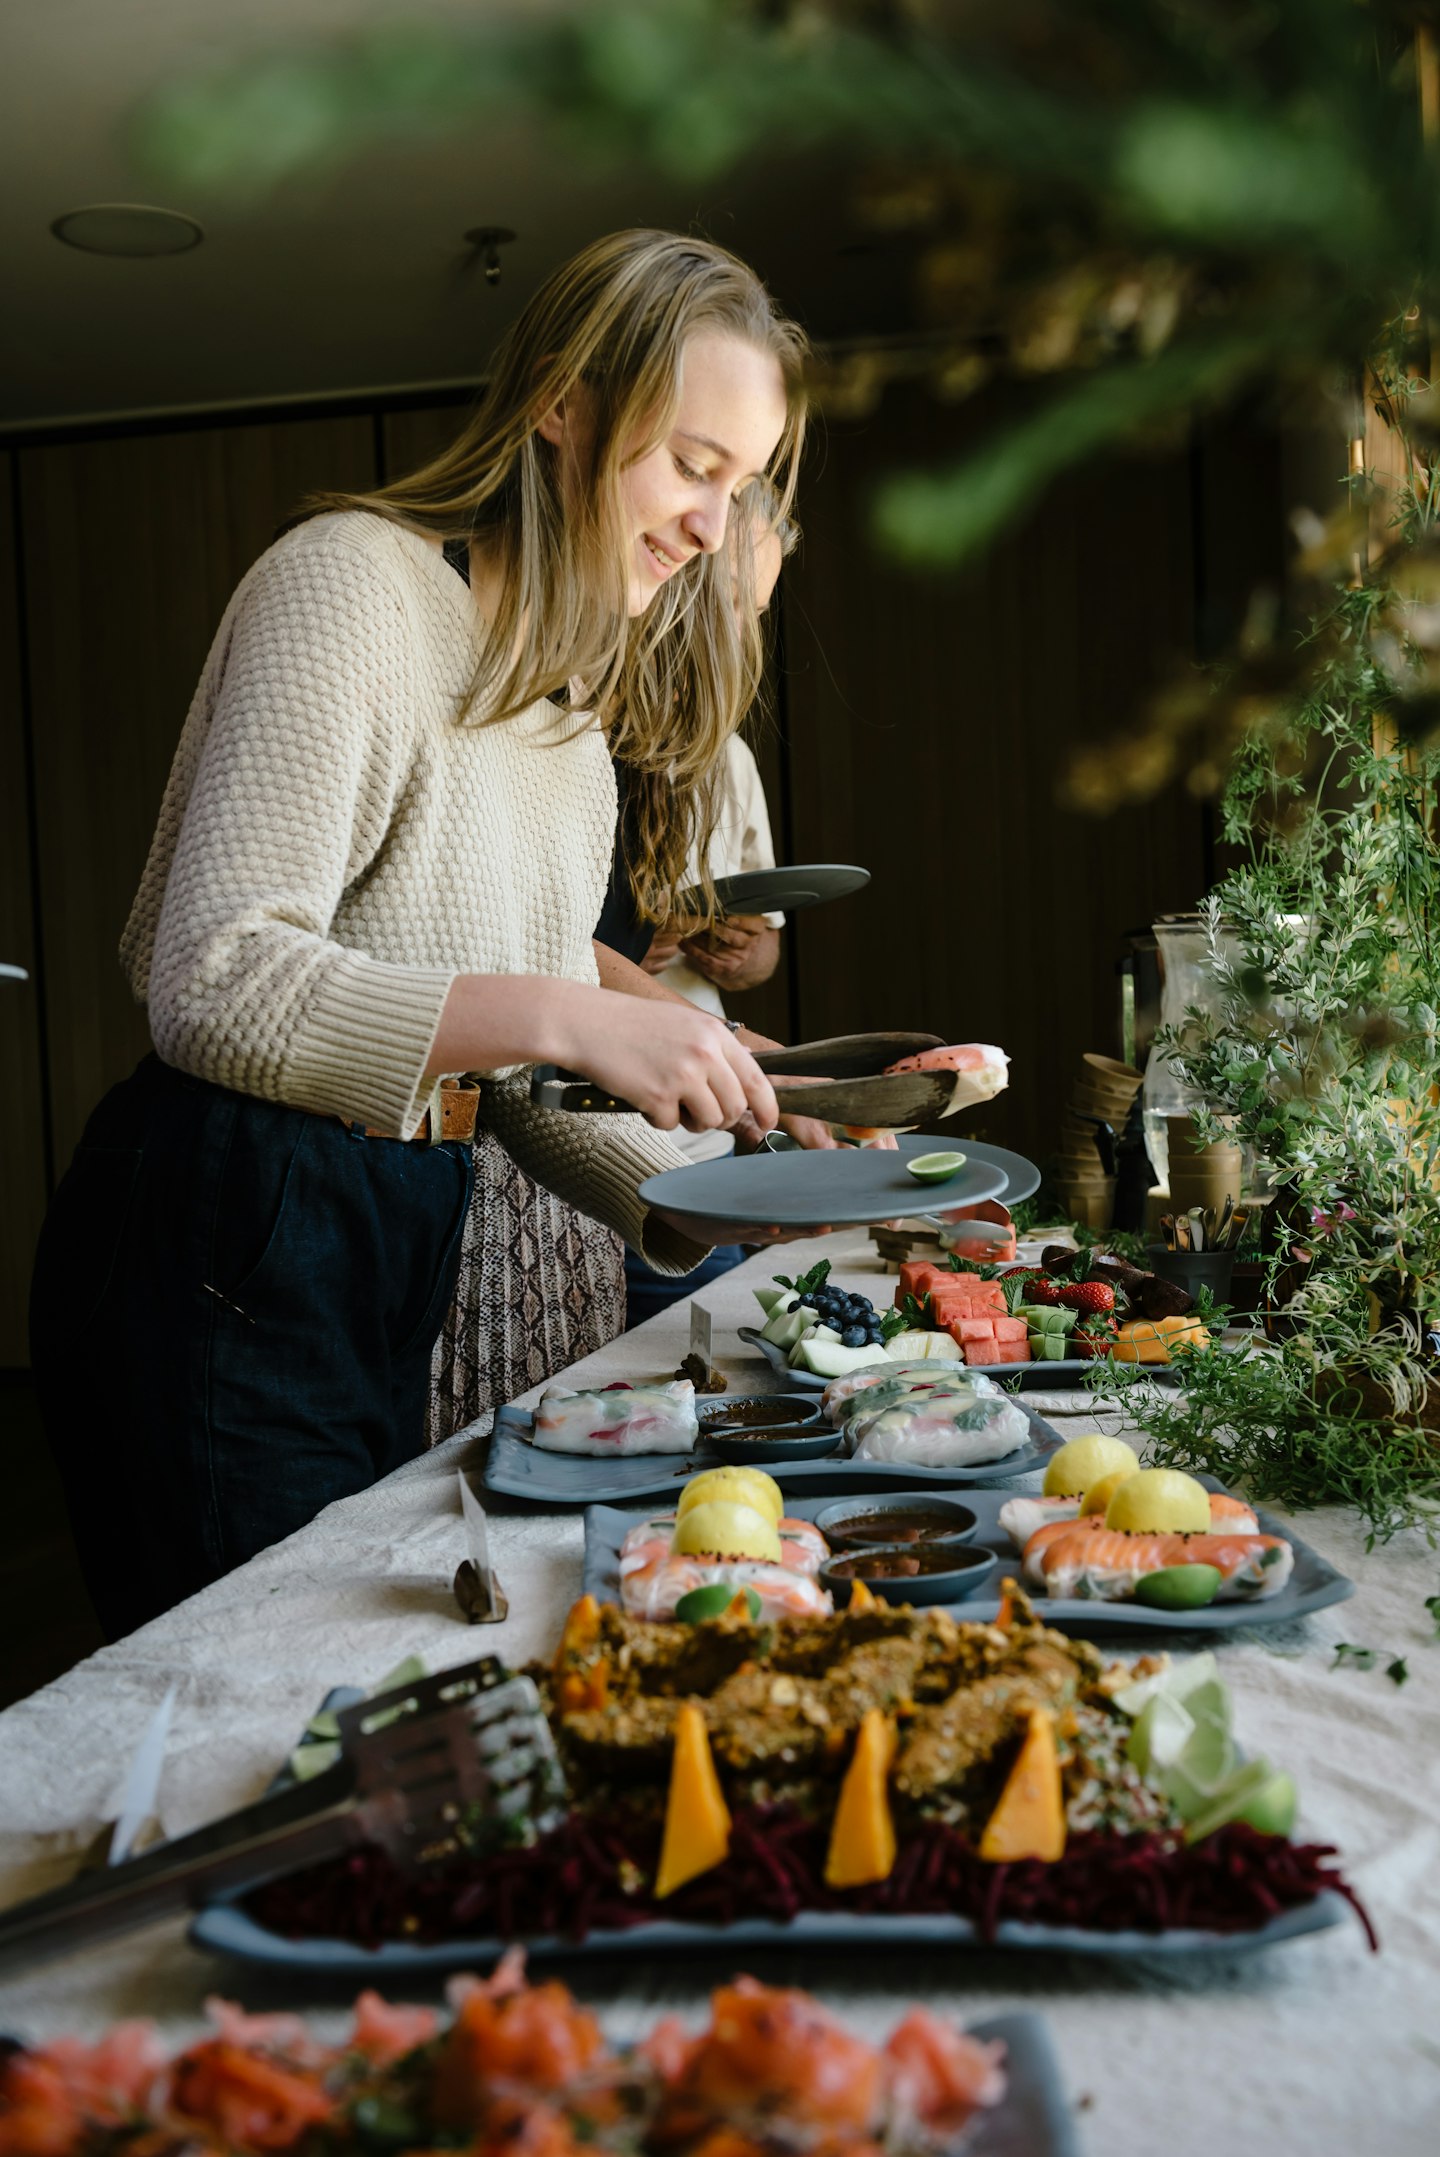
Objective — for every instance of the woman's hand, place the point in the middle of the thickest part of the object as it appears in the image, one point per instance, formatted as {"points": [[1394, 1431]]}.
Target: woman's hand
{"points": [[673, 1063]]}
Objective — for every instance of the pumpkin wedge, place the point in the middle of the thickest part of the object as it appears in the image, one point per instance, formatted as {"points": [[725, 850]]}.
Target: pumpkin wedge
{"points": [[861, 1598], [1029, 1820], [697, 1819], [862, 1837]]}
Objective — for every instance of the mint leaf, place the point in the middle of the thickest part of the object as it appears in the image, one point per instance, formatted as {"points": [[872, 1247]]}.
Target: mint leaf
{"points": [[1362, 1658], [1398, 1671], [891, 1323]]}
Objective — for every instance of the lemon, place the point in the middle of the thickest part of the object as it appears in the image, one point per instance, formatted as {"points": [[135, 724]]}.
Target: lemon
{"points": [[935, 1167], [737, 1486], [717, 1529], [1160, 1501], [1098, 1496], [1084, 1460]]}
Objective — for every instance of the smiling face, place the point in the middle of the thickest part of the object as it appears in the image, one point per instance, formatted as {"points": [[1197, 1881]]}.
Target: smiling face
{"points": [[677, 497]]}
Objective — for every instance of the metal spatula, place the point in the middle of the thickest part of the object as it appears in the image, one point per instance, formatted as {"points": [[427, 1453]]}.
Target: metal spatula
{"points": [[421, 1770]]}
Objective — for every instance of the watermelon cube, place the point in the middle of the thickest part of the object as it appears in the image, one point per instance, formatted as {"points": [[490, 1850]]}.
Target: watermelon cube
{"points": [[1011, 1329], [968, 1289], [972, 1329], [991, 1351], [915, 1277], [1014, 1351]]}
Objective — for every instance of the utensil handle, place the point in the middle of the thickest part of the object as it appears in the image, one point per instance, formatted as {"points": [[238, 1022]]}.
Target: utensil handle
{"points": [[273, 1836], [550, 1088]]}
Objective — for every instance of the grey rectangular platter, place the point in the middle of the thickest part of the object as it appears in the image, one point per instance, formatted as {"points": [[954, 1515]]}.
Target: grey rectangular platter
{"points": [[1012, 1377], [224, 1928], [1313, 1584], [517, 1469]]}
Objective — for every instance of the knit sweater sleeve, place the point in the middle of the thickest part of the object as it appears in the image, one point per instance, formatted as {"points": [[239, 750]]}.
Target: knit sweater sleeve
{"points": [[595, 1163], [292, 793]]}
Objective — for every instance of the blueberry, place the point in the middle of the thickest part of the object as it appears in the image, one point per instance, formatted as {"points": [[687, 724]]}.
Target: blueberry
{"points": [[853, 1337]]}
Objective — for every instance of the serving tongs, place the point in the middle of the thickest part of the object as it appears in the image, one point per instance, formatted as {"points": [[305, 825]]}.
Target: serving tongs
{"points": [[844, 1080], [422, 1769]]}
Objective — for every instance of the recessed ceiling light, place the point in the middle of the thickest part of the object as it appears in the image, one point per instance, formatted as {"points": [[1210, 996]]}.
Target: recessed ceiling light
{"points": [[127, 228]]}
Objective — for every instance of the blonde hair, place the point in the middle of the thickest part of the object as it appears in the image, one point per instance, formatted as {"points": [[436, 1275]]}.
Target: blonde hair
{"points": [[672, 685]]}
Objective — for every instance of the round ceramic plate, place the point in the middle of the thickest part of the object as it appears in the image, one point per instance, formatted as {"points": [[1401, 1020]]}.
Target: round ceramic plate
{"points": [[1022, 1176], [848, 1188], [780, 891]]}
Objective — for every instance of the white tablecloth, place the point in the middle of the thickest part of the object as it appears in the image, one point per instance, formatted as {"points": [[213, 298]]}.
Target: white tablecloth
{"points": [[1315, 2047]]}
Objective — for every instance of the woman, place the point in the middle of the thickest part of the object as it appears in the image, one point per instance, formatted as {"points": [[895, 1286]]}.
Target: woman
{"points": [[380, 858]]}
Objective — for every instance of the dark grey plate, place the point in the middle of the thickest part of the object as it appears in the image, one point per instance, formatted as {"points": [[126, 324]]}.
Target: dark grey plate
{"points": [[1313, 1585], [850, 1187], [969, 1570], [225, 1929], [1022, 1176], [780, 891], [517, 1469]]}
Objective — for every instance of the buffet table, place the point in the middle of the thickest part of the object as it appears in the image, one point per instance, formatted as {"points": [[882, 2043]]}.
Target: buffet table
{"points": [[1315, 2046]]}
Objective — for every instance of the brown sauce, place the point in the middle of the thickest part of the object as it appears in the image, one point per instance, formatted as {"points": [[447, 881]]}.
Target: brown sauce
{"points": [[905, 1564], [863, 1530], [761, 1414]]}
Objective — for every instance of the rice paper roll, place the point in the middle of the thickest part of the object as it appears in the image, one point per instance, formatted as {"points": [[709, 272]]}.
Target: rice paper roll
{"points": [[609, 1421], [943, 1430]]}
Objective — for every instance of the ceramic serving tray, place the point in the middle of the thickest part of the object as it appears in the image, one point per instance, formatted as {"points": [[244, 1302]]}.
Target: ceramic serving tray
{"points": [[1013, 1377], [225, 1928], [517, 1469], [848, 1187], [1313, 1584]]}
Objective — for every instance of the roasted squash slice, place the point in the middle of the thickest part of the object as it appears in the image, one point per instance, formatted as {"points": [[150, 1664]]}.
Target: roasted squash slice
{"points": [[697, 1819], [861, 1598], [1029, 1820], [862, 1838]]}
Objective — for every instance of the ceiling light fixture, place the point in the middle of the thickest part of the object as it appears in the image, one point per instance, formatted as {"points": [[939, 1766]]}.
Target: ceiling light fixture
{"points": [[487, 241], [133, 229]]}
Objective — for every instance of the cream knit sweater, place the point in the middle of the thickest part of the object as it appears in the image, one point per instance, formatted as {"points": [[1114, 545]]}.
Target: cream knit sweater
{"points": [[333, 849]]}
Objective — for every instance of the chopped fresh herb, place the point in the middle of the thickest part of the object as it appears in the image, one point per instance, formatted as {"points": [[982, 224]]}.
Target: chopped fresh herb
{"points": [[1362, 1658], [1398, 1671], [1432, 1604]]}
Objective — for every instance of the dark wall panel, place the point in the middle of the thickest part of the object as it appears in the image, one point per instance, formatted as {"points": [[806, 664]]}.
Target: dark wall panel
{"points": [[22, 1107], [132, 548], [930, 720]]}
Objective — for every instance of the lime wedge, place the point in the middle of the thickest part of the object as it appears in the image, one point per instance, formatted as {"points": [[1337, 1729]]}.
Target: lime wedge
{"points": [[1162, 1731], [1177, 1679], [1254, 1793], [935, 1167]]}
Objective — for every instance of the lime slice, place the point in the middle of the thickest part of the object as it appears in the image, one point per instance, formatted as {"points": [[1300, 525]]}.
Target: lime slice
{"points": [[712, 1601], [1254, 1785], [1178, 1587], [1204, 1766], [1177, 1679], [935, 1167]]}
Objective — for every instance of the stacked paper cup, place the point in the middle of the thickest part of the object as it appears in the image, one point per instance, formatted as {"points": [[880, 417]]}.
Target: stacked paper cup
{"points": [[1102, 1093]]}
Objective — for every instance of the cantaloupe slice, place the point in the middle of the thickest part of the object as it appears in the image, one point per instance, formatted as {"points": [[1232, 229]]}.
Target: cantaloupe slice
{"points": [[862, 1837], [697, 1819], [1029, 1820]]}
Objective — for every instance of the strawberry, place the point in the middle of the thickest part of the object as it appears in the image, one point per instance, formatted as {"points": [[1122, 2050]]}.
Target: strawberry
{"points": [[1095, 1299], [1039, 1286], [1093, 1337]]}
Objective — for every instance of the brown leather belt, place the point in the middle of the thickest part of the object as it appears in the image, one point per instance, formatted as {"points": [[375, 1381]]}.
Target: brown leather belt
{"points": [[459, 1108]]}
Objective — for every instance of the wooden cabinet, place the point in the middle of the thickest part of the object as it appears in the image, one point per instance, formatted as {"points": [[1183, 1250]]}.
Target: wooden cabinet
{"points": [[132, 547], [23, 1124]]}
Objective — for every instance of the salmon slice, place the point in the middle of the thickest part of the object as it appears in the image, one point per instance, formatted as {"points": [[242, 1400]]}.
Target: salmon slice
{"points": [[1104, 1563]]}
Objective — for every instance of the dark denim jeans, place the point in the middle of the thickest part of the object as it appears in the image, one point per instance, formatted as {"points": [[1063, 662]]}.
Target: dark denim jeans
{"points": [[648, 1292], [232, 1317]]}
